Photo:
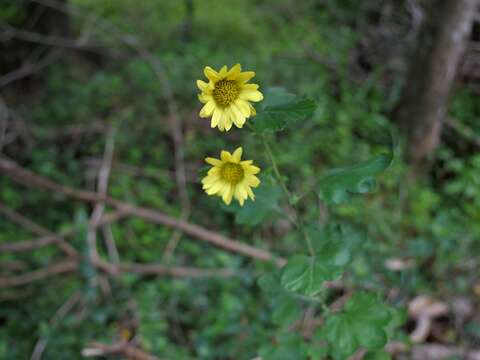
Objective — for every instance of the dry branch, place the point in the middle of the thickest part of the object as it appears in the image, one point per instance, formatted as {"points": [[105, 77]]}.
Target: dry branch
{"points": [[46, 239], [129, 351], [28, 245], [28, 178], [49, 271]]}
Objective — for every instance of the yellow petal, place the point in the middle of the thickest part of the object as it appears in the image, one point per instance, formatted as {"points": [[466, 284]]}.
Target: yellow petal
{"points": [[249, 87], [207, 109], [228, 194], [250, 193], [214, 171], [253, 181], [208, 181], [251, 95], [213, 161], [253, 112], [237, 155], [211, 74], [228, 123], [245, 76], [215, 188], [202, 85], [243, 106], [217, 116], [225, 156], [202, 98], [252, 169], [240, 192], [237, 116], [223, 71], [234, 71]]}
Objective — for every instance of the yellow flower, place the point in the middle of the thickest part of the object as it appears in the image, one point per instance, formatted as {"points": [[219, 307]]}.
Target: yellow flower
{"points": [[227, 96], [231, 177]]}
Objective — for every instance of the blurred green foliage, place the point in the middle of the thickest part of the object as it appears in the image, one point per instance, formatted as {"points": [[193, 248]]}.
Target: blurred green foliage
{"points": [[435, 223]]}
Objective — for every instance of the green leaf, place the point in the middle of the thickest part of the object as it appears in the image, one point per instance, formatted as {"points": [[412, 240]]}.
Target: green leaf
{"points": [[253, 213], [362, 323], [333, 246], [305, 274], [286, 308], [276, 96], [337, 186], [281, 109], [340, 335]]}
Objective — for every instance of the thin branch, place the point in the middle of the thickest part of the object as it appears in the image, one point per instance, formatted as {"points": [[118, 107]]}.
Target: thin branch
{"points": [[49, 271], [21, 220], [138, 171], [72, 131], [36, 229], [111, 269], [57, 317], [128, 350], [29, 68], [10, 32], [174, 271], [29, 245], [28, 178], [102, 188]]}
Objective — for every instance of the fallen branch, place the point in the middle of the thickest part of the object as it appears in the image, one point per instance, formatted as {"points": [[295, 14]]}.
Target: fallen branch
{"points": [[175, 271], [128, 350], [114, 270], [28, 178], [67, 306], [29, 245], [17, 218], [49, 271]]}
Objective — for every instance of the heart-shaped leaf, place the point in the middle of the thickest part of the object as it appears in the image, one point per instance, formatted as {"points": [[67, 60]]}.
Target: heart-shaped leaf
{"points": [[281, 109], [362, 323], [337, 186]]}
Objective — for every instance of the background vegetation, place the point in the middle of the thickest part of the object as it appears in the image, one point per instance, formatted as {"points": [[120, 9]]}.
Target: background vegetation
{"points": [[110, 89]]}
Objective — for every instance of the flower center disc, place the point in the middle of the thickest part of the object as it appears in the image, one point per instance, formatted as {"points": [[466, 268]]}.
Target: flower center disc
{"points": [[232, 173], [225, 92]]}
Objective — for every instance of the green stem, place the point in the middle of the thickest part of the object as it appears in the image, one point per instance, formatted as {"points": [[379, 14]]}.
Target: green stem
{"points": [[280, 180], [299, 221]]}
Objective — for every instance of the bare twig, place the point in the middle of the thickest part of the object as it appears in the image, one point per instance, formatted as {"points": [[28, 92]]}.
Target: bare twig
{"points": [[4, 115], [28, 178], [21, 220], [72, 131], [57, 317], [102, 187], [175, 271], [49, 271], [50, 238], [36, 229], [138, 171], [29, 68], [111, 269], [128, 350], [10, 32], [110, 243]]}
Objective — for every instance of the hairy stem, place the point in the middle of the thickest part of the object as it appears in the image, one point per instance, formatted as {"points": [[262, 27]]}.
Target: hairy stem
{"points": [[288, 195]]}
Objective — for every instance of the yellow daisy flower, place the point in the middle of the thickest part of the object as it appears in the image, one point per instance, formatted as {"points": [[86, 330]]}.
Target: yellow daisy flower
{"points": [[227, 96], [230, 177]]}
